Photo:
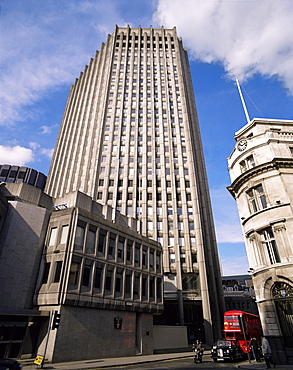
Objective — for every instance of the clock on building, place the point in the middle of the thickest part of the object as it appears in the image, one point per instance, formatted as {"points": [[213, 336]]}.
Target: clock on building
{"points": [[242, 145]]}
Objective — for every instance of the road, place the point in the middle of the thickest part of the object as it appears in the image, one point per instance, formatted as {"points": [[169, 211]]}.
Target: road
{"points": [[180, 364]]}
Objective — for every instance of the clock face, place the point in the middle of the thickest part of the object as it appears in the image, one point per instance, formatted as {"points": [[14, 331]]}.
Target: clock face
{"points": [[242, 145]]}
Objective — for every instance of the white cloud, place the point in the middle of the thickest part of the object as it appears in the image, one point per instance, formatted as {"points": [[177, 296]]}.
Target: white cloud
{"points": [[247, 37], [47, 152], [15, 155], [47, 129], [33, 145], [45, 46], [226, 216], [235, 266]]}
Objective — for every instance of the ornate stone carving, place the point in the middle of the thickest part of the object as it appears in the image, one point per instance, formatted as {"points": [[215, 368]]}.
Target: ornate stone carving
{"points": [[278, 228], [282, 290]]}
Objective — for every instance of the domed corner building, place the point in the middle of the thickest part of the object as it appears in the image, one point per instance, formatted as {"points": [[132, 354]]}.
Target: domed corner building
{"points": [[261, 172]]}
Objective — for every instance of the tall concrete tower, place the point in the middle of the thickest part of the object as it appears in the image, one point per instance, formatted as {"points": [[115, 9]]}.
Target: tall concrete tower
{"points": [[130, 139]]}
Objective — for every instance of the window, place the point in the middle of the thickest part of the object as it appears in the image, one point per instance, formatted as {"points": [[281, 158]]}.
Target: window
{"points": [[118, 283], [53, 236], [136, 284], [172, 257], [128, 281], [137, 254], [86, 275], [257, 198], [108, 284], [268, 239], [158, 262], [129, 251], [112, 242], [182, 257], [102, 241], [144, 258], [98, 278], [73, 273], [46, 272], [58, 267], [120, 248], [79, 237], [144, 287], [189, 282], [64, 234], [152, 260], [247, 163], [90, 241]]}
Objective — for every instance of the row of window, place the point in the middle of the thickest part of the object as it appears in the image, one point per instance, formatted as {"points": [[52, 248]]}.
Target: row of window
{"points": [[98, 241], [148, 45], [142, 38], [116, 247], [107, 280]]}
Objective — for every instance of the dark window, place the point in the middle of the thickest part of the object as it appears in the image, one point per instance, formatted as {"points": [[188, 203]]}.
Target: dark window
{"points": [[120, 248], [128, 280], [98, 278], [86, 276], [137, 254], [144, 287], [112, 242], [136, 286], [102, 240], [144, 258], [159, 289], [118, 284], [108, 280], [129, 251], [58, 267], [46, 272]]}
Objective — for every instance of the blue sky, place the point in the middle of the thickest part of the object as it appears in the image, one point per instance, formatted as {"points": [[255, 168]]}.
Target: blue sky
{"points": [[45, 44]]}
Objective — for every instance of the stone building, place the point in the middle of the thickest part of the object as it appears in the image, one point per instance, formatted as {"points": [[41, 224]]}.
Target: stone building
{"points": [[261, 171], [130, 139]]}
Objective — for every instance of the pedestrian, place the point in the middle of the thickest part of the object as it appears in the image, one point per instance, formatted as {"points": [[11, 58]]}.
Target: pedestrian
{"points": [[255, 348], [267, 352]]}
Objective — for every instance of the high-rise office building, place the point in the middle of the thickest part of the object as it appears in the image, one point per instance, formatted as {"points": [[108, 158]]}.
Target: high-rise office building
{"points": [[130, 139]]}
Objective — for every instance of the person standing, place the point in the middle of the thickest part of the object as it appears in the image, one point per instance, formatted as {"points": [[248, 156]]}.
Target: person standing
{"points": [[267, 352], [255, 348]]}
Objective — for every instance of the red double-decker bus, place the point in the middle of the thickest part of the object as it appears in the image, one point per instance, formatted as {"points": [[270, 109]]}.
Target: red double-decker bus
{"points": [[240, 327]]}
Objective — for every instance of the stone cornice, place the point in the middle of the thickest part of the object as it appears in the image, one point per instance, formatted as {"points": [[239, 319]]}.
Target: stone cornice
{"points": [[275, 164]]}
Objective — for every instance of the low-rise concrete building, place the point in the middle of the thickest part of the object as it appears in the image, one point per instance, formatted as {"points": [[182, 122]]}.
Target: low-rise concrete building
{"points": [[105, 280], [261, 171], [66, 256]]}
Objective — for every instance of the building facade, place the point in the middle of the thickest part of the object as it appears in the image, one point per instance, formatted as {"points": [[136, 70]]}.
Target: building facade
{"points": [[130, 139], [65, 256], [17, 174], [103, 278], [24, 215], [261, 171]]}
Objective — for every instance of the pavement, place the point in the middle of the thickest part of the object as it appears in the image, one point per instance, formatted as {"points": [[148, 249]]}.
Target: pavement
{"points": [[134, 360]]}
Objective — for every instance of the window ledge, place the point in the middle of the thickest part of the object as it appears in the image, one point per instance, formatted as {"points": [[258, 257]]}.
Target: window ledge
{"points": [[264, 210]]}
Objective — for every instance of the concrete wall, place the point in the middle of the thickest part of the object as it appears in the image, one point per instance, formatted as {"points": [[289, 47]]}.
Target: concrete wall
{"points": [[87, 333], [21, 243], [168, 337]]}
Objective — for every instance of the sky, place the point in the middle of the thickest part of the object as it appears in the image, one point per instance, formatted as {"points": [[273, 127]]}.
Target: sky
{"points": [[45, 44]]}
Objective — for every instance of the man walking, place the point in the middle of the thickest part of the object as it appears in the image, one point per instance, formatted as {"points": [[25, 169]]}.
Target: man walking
{"points": [[267, 352]]}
